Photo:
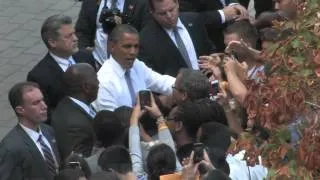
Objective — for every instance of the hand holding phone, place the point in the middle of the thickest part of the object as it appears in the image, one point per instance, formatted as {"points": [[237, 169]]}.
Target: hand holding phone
{"points": [[198, 149], [145, 98]]}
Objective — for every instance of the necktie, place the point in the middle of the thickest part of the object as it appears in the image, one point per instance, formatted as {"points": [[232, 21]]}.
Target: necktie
{"points": [[130, 87], [113, 4], [47, 156], [92, 112], [182, 48]]}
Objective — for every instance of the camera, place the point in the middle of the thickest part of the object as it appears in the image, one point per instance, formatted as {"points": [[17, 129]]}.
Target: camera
{"points": [[108, 20]]}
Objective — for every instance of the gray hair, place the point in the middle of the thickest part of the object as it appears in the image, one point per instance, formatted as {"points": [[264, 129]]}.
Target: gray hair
{"points": [[117, 32], [51, 25], [194, 83]]}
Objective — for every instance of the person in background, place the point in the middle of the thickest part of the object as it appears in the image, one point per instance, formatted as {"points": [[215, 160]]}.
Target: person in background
{"points": [[96, 20]]}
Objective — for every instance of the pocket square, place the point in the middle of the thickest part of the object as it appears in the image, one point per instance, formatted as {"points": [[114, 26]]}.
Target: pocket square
{"points": [[190, 24], [53, 140]]}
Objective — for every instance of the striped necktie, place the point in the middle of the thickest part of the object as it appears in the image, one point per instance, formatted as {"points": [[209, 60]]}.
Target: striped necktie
{"points": [[48, 156]]}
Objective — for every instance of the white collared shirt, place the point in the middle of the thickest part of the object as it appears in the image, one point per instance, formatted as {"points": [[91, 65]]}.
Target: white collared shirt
{"points": [[100, 48], [62, 62], [35, 136], [187, 41], [84, 106], [239, 170], [113, 90]]}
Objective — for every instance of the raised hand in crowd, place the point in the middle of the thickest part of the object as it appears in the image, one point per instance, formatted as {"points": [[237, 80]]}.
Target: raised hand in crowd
{"points": [[190, 169], [242, 50], [235, 12]]}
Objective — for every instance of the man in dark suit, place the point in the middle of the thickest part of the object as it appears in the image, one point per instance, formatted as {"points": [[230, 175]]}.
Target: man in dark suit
{"points": [[221, 12], [72, 119], [58, 34], [89, 28], [170, 41], [28, 151]]}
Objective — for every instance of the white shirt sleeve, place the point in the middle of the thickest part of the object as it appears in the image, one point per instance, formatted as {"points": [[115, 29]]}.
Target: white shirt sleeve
{"points": [[156, 82], [106, 99]]}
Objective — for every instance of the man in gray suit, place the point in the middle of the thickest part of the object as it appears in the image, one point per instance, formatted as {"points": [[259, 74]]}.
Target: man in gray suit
{"points": [[28, 151]]}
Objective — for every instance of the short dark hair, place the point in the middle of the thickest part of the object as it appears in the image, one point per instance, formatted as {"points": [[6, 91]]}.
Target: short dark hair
{"points": [[104, 175], [161, 160], [194, 83], [15, 95], [151, 5], [119, 30], [69, 174], [116, 158], [216, 135], [245, 30], [194, 113], [51, 25], [109, 130], [123, 114], [217, 157], [83, 165], [76, 76]]}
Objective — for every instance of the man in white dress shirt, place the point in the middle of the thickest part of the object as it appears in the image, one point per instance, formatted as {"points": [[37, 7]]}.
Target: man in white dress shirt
{"points": [[123, 75]]}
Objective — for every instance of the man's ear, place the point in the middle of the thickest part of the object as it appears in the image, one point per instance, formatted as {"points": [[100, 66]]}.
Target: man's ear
{"points": [[19, 110], [111, 46], [52, 43], [178, 126]]}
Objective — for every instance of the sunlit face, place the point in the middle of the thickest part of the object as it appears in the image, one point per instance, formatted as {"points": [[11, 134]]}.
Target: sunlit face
{"points": [[166, 13], [33, 109], [125, 50], [67, 42]]}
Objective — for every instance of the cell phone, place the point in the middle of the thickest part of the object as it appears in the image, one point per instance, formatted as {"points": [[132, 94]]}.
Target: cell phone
{"points": [[198, 149], [214, 87], [145, 98]]}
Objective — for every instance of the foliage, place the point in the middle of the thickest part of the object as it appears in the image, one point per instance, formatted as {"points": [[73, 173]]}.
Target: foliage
{"points": [[283, 97]]}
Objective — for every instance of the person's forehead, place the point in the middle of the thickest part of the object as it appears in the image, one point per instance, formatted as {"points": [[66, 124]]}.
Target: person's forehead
{"points": [[31, 93], [128, 37], [164, 5]]}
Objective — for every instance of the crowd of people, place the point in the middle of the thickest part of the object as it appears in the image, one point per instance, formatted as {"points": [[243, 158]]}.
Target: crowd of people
{"points": [[142, 89]]}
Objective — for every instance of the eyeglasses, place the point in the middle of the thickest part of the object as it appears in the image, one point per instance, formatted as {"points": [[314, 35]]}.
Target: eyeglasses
{"points": [[74, 165], [170, 118]]}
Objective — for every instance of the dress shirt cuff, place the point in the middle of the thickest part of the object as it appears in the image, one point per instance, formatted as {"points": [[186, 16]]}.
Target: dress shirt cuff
{"points": [[223, 17]]}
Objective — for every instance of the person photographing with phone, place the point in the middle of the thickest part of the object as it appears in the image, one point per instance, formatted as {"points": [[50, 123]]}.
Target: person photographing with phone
{"points": [[123, 75]]}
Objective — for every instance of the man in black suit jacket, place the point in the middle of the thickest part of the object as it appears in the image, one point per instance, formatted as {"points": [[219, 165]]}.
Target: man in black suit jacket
{"points": [[221, 11], [72, 119], [86, 24], [58, 34], [159, 45], [28, 151]]}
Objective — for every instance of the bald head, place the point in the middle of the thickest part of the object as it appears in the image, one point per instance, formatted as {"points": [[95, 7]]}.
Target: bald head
{"points": [[81, 80]]}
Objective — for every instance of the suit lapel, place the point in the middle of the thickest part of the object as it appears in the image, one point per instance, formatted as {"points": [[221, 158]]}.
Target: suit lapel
{"points": [[56, 70], [76, 106], [171, 46], [38, 158], [191, 30]]}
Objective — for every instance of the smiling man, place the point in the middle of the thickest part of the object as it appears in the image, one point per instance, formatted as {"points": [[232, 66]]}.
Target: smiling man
{"points": [[123, 75]]}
